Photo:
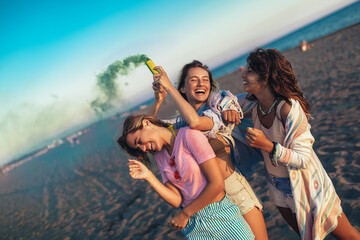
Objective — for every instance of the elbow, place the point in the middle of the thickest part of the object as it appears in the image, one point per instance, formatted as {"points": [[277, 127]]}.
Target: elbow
{"points": [[305, 163], [219, 186], [302, 162], [305, 158], [176, 201], [222, 185], [195, 124], [177, 204]]}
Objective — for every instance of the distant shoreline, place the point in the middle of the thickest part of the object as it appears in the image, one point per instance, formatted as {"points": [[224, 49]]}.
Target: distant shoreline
{"points": [[296, 48]]}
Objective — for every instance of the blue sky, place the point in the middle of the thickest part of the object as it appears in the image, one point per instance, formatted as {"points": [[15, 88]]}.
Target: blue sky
{"points": [[51, 52]]}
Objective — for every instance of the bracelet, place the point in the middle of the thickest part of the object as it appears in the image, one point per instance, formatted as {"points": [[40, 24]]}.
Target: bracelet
{"points": [[272, 155]]}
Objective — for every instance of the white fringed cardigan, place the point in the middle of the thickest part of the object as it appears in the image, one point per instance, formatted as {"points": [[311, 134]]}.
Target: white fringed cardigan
{"points": [[317, 204]]}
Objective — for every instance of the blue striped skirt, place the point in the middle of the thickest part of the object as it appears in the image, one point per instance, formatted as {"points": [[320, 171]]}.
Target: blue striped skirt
{"points": [[219, 220]]}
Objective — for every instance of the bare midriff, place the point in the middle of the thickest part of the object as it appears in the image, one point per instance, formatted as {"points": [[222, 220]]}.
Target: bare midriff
{"points": [[223, 155]]}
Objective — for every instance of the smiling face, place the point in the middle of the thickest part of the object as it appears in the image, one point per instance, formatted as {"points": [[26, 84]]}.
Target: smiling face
{"points": [[197, 86], [145, 139], [251, 81]]}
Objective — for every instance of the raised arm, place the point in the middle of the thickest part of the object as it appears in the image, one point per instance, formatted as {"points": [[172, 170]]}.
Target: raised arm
{"points": [[186, 110], [160, 95], [168, 192]]}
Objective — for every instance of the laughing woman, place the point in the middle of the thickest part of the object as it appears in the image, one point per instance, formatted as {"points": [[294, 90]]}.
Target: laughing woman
{"points": [[191, 178], [298, 183], [201, 111]]}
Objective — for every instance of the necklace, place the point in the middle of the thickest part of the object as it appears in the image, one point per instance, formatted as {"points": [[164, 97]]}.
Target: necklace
{"points": [[171, 127], [262, 111]]}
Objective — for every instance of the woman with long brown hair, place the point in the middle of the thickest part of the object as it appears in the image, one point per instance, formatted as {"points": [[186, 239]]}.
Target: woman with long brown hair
{"points": [[298, 183], [196, 106], [191, 178]]}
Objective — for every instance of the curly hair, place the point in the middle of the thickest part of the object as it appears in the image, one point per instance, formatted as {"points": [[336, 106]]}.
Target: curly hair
{"points": [[273, 67], [185, 71], [132, 124]]}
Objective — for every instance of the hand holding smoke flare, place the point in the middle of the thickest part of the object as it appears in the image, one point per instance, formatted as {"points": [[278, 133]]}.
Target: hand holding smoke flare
{"points": [[106, 81], [150, 64]]}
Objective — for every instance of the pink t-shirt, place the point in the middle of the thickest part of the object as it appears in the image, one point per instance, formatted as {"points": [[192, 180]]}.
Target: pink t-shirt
{"points": [[191, 148]]}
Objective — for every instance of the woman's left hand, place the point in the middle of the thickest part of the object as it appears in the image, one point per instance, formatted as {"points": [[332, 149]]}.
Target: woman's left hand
{"points": [[256, 138], [159, 92], [179, 221], [162, 78], [138, 170]]}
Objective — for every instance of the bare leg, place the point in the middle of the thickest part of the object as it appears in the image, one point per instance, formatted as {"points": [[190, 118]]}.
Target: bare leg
{"points": [[290, 218], [256, 221], [344, 229]]}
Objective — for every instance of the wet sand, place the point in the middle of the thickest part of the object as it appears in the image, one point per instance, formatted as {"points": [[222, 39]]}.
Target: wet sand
{"points": [[84, 191]]}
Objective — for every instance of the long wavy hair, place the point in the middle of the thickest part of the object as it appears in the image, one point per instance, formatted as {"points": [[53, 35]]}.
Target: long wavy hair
{"points": [[185, 71], [273, 67], [132, 124]]}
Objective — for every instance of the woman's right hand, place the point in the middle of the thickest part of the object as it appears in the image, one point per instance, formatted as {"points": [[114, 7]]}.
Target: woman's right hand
{"points": [[179, 221], [232, 116], [138, 170], [159, 92], [257, 139], [162, 78]]}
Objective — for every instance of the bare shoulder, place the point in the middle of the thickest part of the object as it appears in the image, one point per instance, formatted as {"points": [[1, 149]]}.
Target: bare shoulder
{"points": [[284, 111]]}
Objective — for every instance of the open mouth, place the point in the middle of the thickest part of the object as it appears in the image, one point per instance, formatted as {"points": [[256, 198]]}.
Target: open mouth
{"points": [[200, 91], [150, 148]]}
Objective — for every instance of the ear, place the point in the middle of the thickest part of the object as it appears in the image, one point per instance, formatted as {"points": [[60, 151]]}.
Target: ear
{"points": [[146, 123], [182, 90], [265, 82]]}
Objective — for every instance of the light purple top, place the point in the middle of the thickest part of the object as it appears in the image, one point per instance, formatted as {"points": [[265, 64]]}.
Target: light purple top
{"points": [[191, 148]]}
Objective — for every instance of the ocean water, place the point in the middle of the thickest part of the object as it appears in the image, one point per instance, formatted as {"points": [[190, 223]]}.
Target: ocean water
{"points": [[331, 23]]}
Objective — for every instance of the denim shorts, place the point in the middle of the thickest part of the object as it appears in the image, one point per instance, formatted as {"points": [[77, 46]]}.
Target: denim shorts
{"points": [[280, 191], [281, 183]]}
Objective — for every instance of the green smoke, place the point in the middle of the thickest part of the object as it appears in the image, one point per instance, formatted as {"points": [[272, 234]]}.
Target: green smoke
{"points": [[107, 85]]}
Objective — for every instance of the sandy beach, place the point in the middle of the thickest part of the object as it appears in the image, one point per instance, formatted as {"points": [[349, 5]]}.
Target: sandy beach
{"points": [[84, 191]]}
